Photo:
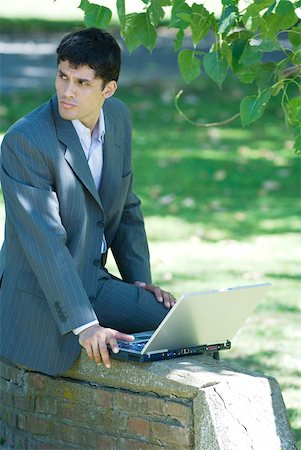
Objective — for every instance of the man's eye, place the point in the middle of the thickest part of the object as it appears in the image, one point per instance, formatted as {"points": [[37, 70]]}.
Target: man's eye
{"points": [[83, 83], [63, 77]]}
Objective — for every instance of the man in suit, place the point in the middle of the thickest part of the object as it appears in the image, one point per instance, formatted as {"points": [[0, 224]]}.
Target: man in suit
{"points": [[67, 182]]}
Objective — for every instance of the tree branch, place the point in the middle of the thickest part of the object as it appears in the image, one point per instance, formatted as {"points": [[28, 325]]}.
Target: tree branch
{"points": [[197, 124]]}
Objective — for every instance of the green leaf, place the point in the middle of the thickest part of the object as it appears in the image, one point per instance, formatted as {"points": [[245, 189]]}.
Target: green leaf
{"points": [[252, 107], [238, 47], [251, 18], [250, 55], [139, 31], [83, 4], [294, 111], [297, 145], [226, 51], [277, 87], [156, 12], [247, 74], [97, 16], [120, 5], [294, 36], [216, 66], [229, 2], [178, 40], [228, 18], [199, 23], [283, 18], [267, 45], [266, 71], [189, 65], [238, 35], [179, 7]]}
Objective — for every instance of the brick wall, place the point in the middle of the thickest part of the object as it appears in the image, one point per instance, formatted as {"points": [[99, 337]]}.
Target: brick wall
{"points": [[42, 412], [186, 403]]}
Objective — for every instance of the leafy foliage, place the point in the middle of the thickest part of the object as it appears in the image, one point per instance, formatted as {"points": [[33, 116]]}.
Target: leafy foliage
{"points": [[245, 40]]}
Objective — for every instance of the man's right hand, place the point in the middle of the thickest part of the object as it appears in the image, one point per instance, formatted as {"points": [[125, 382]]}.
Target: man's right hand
{"points": [[96, 339]]}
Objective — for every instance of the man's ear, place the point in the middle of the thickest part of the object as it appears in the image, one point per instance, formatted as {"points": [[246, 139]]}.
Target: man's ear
{"points": [[109, 89]]}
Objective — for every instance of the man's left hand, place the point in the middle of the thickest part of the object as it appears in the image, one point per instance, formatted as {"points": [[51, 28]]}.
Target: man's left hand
{"points": [[162, 296]]}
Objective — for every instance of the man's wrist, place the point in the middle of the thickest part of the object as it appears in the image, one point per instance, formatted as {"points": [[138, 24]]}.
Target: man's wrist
{"points": [[78, 330]]}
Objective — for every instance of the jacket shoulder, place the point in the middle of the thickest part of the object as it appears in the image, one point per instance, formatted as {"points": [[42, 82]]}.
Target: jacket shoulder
{"points": [[33, 122], [117, 107]]}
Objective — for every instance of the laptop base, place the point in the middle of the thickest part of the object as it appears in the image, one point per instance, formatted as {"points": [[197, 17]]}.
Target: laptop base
{"points": [[170, 354]]}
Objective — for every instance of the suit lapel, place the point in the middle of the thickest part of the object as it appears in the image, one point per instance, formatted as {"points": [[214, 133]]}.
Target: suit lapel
{"points": [[74, 153], [112, 161]]}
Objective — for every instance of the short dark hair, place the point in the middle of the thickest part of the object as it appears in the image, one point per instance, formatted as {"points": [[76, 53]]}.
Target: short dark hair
{"points": [[92, 47]]}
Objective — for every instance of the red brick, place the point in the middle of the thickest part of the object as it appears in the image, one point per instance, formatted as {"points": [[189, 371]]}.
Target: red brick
{"points": [[11, 373], [70, 411], [107, 442], [168, 434], [20, 441], [8, 416], [112, 422], [138, 426], [183, 413], [37, 425], [36, 381], [24, 402], [73, 434], [45, 404], [37, 444], [102, 398], [6, 393], [135, 444], [142, 405]]}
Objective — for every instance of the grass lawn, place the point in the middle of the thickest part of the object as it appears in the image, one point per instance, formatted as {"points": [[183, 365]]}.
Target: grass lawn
{"points": [[222, 207]]}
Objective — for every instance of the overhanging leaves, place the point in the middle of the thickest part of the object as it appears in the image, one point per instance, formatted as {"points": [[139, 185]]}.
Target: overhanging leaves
{"points": [[95, 15], [179, 7], [139, 31], [120, 5], [228, 18], [199, 23], [156, 11], [283, 18], [216, 66], [252, 107], [241, 38], [189, 65]]}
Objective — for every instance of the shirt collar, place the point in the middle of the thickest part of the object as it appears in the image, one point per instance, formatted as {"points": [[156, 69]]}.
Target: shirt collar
{"points": [[98, 132]]}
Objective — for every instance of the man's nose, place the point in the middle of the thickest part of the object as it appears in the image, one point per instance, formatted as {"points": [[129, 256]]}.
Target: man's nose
{"points": [[69, 89]]}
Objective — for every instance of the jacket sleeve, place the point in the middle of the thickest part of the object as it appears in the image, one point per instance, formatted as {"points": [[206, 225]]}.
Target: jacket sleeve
{"points": [[130, 246], [32, 208]]}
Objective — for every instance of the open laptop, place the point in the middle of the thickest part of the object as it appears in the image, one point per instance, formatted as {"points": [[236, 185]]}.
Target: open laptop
{"points": [[199, 322]]}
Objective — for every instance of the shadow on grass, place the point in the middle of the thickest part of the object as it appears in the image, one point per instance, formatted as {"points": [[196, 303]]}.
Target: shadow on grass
{"points": [[293, 414], [241, 182], [285, 276]]}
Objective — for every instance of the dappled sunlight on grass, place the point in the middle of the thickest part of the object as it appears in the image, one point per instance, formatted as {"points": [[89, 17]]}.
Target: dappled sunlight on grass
{"points": [[222, 208]]}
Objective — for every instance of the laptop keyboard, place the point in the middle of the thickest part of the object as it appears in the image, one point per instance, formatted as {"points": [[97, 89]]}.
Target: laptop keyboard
{"points": [[137, 346]]}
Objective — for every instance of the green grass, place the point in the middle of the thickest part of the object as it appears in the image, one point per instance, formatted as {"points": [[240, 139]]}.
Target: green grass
{"points": [[222, 207], [10, 25]]}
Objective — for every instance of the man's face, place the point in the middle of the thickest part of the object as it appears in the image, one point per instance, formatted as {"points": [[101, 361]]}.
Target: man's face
{"points": [[80, 94]]}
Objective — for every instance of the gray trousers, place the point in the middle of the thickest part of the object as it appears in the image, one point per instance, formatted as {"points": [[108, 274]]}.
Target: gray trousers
{"points": [[126, 307]]}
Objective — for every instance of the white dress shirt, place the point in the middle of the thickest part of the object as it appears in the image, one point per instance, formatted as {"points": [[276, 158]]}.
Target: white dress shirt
{"points": [[92, 146]]}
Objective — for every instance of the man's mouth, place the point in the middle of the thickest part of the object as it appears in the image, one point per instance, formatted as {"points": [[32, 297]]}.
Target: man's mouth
{"points": [[67, 105]]}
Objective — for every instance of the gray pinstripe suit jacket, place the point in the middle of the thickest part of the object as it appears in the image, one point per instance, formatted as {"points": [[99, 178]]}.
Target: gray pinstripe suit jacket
{"points": [[55, 220]]}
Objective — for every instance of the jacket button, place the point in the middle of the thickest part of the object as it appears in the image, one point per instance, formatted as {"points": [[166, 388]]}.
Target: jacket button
{"points": [[97, 262], [100, 223], [92, 298]]}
